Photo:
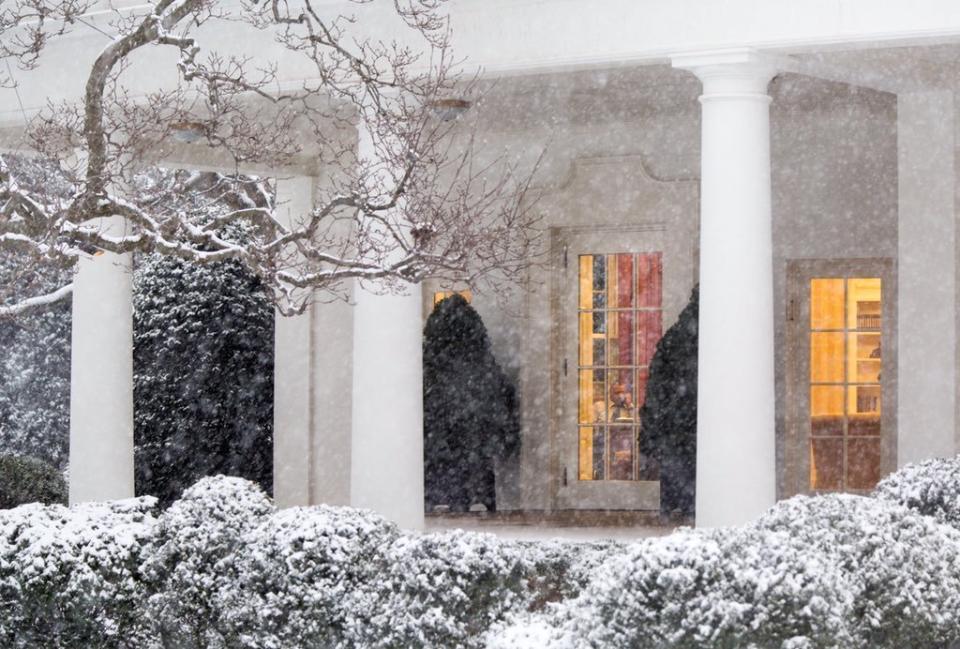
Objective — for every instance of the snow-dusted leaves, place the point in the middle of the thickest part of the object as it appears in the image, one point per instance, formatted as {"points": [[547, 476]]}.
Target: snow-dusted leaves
{"points": [[70, 577], [223, 568]]}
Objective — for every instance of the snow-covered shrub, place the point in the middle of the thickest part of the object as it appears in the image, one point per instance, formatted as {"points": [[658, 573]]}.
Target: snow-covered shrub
{"points": [[69, 577], [824, 572], [931, 487], [657, 594], [28, 480], [562, 569], [307, 576], [445, 590], [901, 569], [191, 564]]}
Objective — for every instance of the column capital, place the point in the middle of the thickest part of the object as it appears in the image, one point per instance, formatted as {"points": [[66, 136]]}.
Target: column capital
{"points": [[741, 72]]}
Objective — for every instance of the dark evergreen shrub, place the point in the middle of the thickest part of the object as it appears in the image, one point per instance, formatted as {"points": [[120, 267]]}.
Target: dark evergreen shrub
{"points": [[203, 376], [469, 416], [29, 480], [35, 346], [668, 432], [35, 384]]}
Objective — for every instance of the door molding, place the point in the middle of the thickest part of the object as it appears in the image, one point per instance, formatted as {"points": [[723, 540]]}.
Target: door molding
{"points": [[568, 491]]}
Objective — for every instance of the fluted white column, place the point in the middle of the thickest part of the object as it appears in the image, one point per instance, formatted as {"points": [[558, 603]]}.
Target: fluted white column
{"points": [[387, 445], [736, 451], [101, 376]]}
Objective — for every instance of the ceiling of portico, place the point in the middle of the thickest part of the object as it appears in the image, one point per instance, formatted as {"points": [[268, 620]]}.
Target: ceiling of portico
{"points": [[895, 69], [627, 94]]}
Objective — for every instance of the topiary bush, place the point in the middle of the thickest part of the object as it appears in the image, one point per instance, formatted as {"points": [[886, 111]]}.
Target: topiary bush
{"points": [[469, 409], [28, 480], [190, 570], [931, 487], [668, 418], [203, 375], [70, 577]]}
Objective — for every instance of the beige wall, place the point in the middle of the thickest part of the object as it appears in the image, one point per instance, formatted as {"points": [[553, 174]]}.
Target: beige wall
{"points": [[834, 154]]}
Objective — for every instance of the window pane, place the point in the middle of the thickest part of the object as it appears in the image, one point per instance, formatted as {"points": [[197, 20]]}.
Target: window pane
{"points": [[826, 357], [593, 403], [864, 425], [865, 361], [863, 462], [599, 274], [586, 453], [826, 303], [621, 338], [642, 376], [620, 289], [616, 343], [863, 303], [826, 464], [649, 280], [621, 404], [586, 282], [649, 332], [864, 400], [592, 458], [826, 410], [592, 346], [599, 322], [598, 456], [621, 452]]}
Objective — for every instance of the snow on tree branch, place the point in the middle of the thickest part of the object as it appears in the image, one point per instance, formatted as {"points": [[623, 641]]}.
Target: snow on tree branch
{"points": [[36, 302], [416, 202]]}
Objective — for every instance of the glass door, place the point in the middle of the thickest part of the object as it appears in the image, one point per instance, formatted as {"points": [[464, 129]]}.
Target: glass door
{"points": [[846, 356], [620, 317], [614, 295], [843, 436]]}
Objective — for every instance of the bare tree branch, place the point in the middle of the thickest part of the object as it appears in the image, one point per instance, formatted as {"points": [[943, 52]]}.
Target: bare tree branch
{"points": [[414, 204]]}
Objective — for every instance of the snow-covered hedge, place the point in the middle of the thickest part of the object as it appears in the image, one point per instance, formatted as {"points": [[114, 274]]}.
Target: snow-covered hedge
{"points": [[931, 487], [831, 571], [222, 568], [70, 577], [190, 567]]}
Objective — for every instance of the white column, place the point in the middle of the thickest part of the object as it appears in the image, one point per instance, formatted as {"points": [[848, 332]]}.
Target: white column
{"points": [[387, 455], [293, 414], [926, 277], [101, 377], [736, 451], [333, 405], [387, 451]]}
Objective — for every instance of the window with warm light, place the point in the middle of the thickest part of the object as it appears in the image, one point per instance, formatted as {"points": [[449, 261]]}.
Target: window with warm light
{"points": [[845, 382], [620, 322]]}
